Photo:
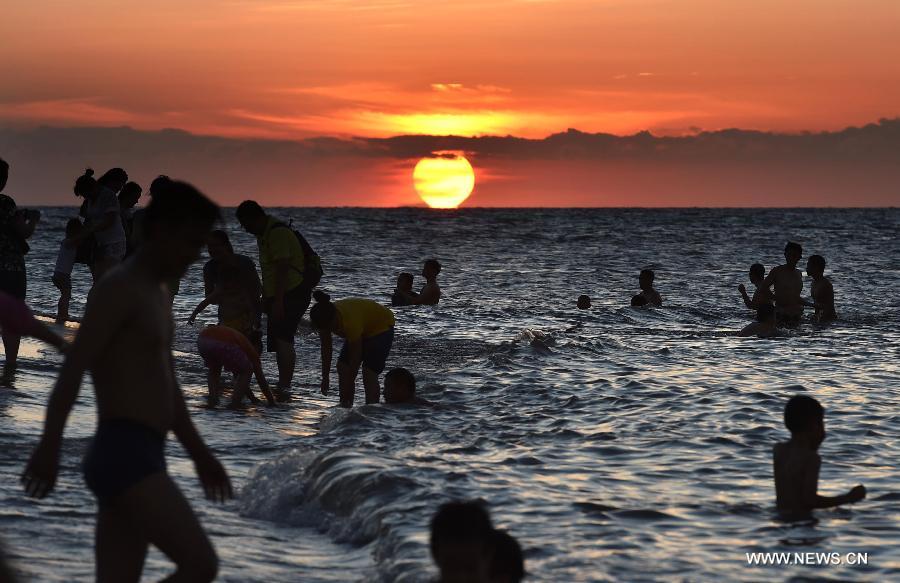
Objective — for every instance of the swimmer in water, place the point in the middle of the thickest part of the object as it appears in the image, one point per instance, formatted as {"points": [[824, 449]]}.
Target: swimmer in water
{"points": [[400, 387], [796, 463], [761, 295], [125, 341], [367, 328], [645, 280], [430, 294], [765, 325], [224, 347], [404, 295], [584, 302], [822, 290], [788, 282]]}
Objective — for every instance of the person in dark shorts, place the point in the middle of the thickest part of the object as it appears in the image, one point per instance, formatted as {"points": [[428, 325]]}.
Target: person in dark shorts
{"points": [[125, 341], [367, 328], [286, 293], [16, 225]]}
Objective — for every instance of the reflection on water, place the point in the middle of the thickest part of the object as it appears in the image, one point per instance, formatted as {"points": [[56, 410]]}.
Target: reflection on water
{"points": [[616, 444]]}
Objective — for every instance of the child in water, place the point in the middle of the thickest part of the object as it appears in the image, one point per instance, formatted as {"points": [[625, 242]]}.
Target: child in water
{"points": [[584, 302], [822, 290], [62, 273], [224, 347], [404, 294], [796, 463], [645, 280], [400, 387], [765, 325], [761, 294]]}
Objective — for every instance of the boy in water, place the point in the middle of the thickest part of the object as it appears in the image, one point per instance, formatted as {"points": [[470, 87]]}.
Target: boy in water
{"points": [[796, 463], [400, 387], [822, 290], [645, 280], [761, 295], [62, 273], [430, 294], [462, 543], [765, 325], [224, 347], [584, 302], [788, 282], [126, 344], [404, 294]]}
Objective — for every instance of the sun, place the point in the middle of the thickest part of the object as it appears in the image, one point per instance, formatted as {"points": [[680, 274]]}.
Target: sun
{"points": [[445, 180]]}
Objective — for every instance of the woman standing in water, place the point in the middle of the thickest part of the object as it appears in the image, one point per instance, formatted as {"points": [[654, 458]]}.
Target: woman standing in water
{"points": [[103, 218], [367, 328]]}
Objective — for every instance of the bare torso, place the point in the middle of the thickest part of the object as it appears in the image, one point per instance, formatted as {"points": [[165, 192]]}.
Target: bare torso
{"points": [[796, 473], [788, 283], [133, 379], [823, 296]]}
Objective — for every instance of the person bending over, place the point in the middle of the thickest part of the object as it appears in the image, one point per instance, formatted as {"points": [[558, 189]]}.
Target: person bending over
{"points": [[224, 347]]}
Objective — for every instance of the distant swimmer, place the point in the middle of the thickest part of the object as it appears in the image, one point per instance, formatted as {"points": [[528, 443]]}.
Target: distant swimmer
{"points": [[765, 325], [403, 294], [367, 328], [638, 301], [645, 280], [430, 294], [584, 302], [400, 388], [224, 347], [462, 543], [822, 290], [796, 463], [62, 273], [788, 282], [125, 341], [761, 295]]}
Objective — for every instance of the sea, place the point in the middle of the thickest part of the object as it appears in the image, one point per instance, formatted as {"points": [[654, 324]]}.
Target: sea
{"points": [[615, 443]]}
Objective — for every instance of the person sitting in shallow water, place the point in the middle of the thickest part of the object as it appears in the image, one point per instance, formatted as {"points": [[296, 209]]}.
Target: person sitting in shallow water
{"points": [[645, 280], [403, 294], [765, 324], [796, 463], [761, 294], [584, 302], [788, 282], [822, 290], [400, 387]]}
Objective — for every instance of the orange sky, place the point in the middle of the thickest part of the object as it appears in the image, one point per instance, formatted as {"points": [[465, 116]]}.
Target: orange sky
{"points": [[292, 69]]}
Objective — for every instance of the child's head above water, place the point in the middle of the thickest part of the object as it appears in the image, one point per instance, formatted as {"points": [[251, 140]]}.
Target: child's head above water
{"points": [[405, 281], [805, 417], [399, 386], [431, 268], [757, 273], [584, 302], [815, 265], [645, 279], [462, 542]]}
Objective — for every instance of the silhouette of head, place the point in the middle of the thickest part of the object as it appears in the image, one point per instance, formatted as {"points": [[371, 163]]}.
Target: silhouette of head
{"points": [[462, 541], [218, 245], [793, 252], [114, 179], [130, 195], [645, 279], [757, 273], [252, 217], [85, 185], [584, 302], [431, 269], [815, 265], [405, 281], [508, 565], [177, 223], [159, 184], [638, 301], [4, 173], [805, 415], [399, 386], [323, 313]]}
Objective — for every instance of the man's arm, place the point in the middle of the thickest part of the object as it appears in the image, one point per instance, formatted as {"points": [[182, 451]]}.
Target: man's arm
{"points": [[107, 310]]}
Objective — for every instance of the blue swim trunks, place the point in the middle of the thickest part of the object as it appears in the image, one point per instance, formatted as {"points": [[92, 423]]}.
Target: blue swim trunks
{"points": [[375, 351], [123, 453]]}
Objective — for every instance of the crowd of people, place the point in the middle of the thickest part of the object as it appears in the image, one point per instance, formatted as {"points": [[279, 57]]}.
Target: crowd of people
{"points": [[125, 341]]}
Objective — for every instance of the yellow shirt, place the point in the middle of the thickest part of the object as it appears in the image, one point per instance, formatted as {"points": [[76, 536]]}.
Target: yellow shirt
{"points": [[362, 318], [275, 244]]}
